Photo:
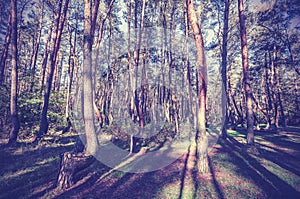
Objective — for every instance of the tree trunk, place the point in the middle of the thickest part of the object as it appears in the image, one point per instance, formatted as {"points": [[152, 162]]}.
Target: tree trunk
{"points": [[58, 73], [246, 79], [280, 100], [88, 109], [268, 99], [5, 51], [129, 89], [45, 60], [36, 50], [237, 116], [72, 163], [265, 113], [274, 86], [135, 100], [201, 74], [14, 75], [71, 67], [223, 69], [295, 72], [187, 63], [53, 57]]}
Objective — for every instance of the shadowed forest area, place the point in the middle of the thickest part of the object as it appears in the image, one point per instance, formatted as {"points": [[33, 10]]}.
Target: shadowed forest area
{"points": [[149, 99], [30, 171]]}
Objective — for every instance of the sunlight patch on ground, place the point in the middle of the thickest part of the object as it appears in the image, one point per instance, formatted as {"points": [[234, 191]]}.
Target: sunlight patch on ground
{"points": [[285, 175], [23, 149], [18, 173], [172, 191]]}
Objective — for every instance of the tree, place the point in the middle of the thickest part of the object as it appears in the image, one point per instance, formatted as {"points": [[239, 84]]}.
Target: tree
{"points": [[201, 87], [4, 52], [72, 162], [90, 132], [36, 48], [224, 66], [14, 75], [45, 59], [246, 77], [60, 19], [71, 63], [275, 29]]}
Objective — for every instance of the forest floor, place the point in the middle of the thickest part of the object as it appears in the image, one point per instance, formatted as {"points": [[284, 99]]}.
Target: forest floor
{"points": [[271, 171]]}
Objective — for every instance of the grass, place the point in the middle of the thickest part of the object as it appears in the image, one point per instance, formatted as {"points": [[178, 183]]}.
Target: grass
{"points": [[30, 171]]}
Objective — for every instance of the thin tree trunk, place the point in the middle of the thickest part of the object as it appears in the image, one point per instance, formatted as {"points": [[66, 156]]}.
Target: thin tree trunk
{"points": [[295, 72], [201, 74], [4, 53], [97, 46], [71, 67], [261, 109], [36, 51], [95, 61], [223, 69], [45, 60], [280, 101], [135, 97], [139, 99], [273, 81], [94, 14], [61, 17], [130, 92], [246, 79], [14, 75], [189, 70], [235, 108], [268, 99], [58, 72]]}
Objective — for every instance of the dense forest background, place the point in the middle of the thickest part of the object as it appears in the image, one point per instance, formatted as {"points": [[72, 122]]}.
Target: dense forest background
{"points": [[60, 58]]}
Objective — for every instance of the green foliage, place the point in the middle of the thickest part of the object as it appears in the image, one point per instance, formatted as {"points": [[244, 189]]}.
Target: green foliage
{"points": [[4, 109], [29, 109], [30, 105], [56, 112]]}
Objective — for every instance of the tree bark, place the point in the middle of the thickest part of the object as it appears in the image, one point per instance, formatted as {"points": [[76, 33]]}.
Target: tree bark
{"points": [[274, 86], [201, 74], [36, 50], [60, 19], [71, 67], [14, 75], [88, 109], [268, 99], [4, 53], [45, 60], [246, 78], [295, 72], [223, 69], [71, 163], [187, 63]]}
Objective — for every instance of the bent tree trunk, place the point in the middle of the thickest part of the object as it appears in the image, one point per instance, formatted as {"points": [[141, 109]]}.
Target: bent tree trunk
{"points": [[72, 163], [201, 70]]}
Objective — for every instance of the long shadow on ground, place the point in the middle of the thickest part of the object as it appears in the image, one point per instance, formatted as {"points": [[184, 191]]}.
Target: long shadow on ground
{"points": [[249, 167], [33, 173]]}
